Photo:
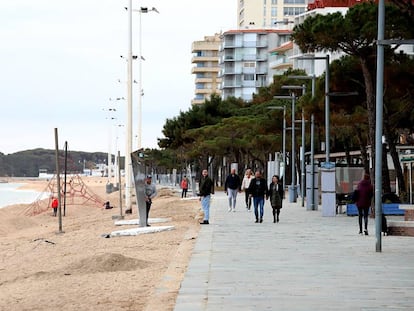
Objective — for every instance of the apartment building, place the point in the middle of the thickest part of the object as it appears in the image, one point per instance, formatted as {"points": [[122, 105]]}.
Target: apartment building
{"points": [[268, 13], [244, 60], [280, 58], [206, 69]]}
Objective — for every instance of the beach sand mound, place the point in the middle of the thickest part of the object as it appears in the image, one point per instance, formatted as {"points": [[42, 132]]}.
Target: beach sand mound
{"points": [[109, 262]]}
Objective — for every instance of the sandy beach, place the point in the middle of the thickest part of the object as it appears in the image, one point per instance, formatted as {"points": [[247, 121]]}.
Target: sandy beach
{"points": [[79, 269]]}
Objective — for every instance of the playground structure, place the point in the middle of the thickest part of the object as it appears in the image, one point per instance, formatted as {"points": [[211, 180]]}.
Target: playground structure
{"points": [[77, 193]]}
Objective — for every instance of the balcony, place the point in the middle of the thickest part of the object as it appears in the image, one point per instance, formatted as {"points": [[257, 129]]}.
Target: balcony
{"points": [[281, 63], [195, 70], [201, 59]]}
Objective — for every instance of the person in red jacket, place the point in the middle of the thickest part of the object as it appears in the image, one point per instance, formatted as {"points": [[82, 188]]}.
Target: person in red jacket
{"points": [[55, 205], [184, 187], [364, 194]]}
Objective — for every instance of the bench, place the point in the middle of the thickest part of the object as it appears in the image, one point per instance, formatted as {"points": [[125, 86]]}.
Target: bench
{"points": [[342, 199], [387, 209]]}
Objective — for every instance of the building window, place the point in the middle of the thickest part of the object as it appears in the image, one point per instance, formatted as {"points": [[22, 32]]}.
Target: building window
{"points": [[274, 12], [249, 64], [274, 2], [292, 11], [294, 1], [248, 77]]}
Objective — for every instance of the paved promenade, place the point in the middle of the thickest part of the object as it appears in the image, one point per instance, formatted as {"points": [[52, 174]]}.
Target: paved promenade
{"points": [[304, 262]]}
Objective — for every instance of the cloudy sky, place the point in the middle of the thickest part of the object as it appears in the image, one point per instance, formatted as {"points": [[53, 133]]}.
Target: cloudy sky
{"points": [[60, 65]]}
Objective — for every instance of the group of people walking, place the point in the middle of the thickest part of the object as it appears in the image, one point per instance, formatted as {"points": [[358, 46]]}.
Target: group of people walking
{"points": [[256, 192]]}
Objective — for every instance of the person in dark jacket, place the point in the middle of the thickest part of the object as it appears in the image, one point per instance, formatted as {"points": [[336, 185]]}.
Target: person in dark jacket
{"points": [[206, 188], [232, 186], [364, 194], [276, 195], [258, 190]]}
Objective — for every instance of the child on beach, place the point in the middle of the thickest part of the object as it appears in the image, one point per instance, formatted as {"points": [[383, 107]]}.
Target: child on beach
{"points": [[55, 204]]}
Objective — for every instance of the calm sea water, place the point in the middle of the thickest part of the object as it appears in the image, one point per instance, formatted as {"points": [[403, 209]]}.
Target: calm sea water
{"points": [[9, 194]]}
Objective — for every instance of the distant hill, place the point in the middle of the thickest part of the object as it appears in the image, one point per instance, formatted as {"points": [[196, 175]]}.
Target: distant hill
{"points": [[27, 163]]}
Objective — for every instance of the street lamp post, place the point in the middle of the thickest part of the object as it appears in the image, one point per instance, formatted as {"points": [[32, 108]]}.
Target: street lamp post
{"points": [[128, 149], [110, 165], [302, 154], [292, 188], [303, 88], [310, 206], [284, 142], [140, 59], [327, 168], [117, 152], [327, 77]]}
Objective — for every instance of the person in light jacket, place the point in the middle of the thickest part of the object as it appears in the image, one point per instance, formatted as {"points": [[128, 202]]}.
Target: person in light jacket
{"points": [[245, 186]]}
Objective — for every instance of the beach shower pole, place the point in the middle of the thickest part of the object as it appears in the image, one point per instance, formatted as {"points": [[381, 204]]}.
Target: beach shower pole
{"points": [[119, 182], [64, 185], [58, 180]]}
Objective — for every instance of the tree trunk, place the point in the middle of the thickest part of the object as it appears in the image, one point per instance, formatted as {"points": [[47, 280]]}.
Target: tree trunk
{"points": [[370, 96], [364, 154], [396, 161]]}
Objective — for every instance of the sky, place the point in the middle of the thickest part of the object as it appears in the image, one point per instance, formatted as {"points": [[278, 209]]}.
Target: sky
{"points": [[61, 68]]}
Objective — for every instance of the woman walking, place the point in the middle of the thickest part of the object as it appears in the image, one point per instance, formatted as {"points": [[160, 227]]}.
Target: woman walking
{"points": [[276, 194], [364, 194], [245, 186]]}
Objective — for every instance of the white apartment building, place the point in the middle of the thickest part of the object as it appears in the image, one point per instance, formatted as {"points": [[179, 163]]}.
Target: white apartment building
{"points": [[206, 69], [268, 13], [244, 60]]}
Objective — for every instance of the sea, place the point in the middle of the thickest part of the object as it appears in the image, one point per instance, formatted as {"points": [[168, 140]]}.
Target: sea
{"points": [[10, 194]]}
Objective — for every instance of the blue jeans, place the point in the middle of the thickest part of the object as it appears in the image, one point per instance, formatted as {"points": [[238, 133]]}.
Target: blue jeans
{"points": [[205, 204], [258, 202]]}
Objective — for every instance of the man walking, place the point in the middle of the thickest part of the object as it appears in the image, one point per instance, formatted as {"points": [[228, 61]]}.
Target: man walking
{"points": [[150, 192], [231, 187], [206, 188], [258, 190]]}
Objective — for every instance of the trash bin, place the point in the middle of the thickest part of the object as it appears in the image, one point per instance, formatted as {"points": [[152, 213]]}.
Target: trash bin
{"points": [[109, 187]]}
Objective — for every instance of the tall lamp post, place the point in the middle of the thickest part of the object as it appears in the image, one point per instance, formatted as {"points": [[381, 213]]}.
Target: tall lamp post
{"points": [[109, 186], [310, 206], [284, 141], [303, 88], [302, 182], [327, 112], [140, 59], [128, 149], [292, 188], [327, 169]]}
